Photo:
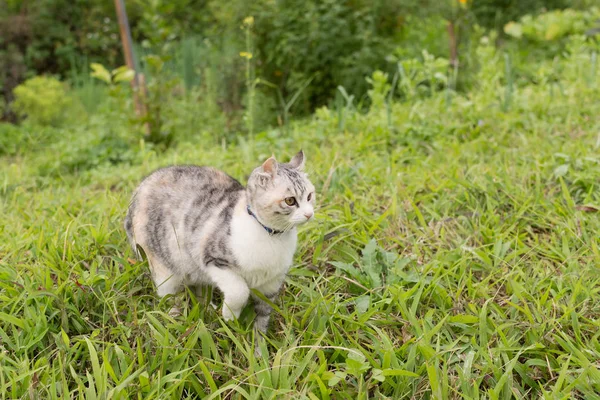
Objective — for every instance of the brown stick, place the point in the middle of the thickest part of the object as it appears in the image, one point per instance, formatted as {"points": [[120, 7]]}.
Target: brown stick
{"points": [[138, 84], [453, 44]]}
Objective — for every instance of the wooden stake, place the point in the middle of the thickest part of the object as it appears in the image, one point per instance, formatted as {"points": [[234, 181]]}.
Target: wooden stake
{"points": [[453, 44], [138, 84]]}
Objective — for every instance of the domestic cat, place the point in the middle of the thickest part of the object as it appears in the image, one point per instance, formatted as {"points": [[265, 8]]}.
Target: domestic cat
{"points": [[199, 226]]}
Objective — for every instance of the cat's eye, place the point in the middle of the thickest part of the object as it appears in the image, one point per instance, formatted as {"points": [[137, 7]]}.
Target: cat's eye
{"points": [[309, 196], [290, 201]]}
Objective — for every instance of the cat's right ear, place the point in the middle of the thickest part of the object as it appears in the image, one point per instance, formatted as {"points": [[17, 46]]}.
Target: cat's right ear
{"points": [[268, 170], [298, 160]]}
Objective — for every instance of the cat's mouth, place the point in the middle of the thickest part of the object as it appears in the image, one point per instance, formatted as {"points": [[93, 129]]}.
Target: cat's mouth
{"points": [[303, 221]]}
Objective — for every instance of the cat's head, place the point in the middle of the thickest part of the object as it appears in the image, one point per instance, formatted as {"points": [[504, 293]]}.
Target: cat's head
{"points": [[280, 194]]}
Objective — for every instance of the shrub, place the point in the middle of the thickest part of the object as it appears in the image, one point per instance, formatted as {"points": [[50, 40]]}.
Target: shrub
{"points": [[379, 89], [331, 42], [10, 138], [42, 100], [554, 25], [21, 139]]}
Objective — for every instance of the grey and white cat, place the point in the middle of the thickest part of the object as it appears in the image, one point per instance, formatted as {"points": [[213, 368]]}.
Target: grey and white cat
{"points": [[199, 226]]}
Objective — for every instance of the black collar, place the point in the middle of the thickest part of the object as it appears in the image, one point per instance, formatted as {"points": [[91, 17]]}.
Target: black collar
{"points": [[270, 231]]}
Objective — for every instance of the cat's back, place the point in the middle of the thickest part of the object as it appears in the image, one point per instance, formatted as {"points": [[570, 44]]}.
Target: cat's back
{"points": [[179, 201], [181, 186], [188, 177]]}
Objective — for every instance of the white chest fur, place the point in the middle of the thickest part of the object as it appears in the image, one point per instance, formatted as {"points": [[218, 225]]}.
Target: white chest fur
{"points": [[261, 257]]}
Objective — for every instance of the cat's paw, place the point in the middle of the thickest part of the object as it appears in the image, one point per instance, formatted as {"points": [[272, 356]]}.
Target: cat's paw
{"points": [[175, 311], [229, 314], [258, 342], [258, 352]]}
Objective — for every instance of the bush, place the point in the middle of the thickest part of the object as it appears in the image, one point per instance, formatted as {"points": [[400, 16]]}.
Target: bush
{"points": [[331, 42], [496, 13], [10, 138], [50, 36], [553, 26], [42, 100], [16, 140]]}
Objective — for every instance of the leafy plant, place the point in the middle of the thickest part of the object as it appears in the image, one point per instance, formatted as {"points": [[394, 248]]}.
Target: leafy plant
{"points": [[41, 100], [250, 75], [330, 42], [115, 79], [423, 76], [380, 89], [121, 74], [160, 86], [376, 267], [553, 25], [10, 139]]}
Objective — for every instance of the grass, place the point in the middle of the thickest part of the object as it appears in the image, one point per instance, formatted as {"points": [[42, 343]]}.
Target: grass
{"points": [[455, 254]]}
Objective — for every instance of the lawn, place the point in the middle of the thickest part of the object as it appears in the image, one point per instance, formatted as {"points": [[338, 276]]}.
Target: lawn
{"points": [[454, 254]]}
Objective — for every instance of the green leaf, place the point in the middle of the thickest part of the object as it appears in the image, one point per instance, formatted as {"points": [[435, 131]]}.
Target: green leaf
{"points": [[370, 265], [378, 375], [356, 363], [99, 72], [399, 372], [426, 350], [514, 29], [350, 269], [333, 378], [123, 75], [13, 320], [464, 319], [362, 304], [369, 252], [553, 31], [144, 381], [65, 338], [561, 170]]}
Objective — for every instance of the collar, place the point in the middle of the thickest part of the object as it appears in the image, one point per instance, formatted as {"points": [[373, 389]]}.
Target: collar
{"points": [[270, 231]]}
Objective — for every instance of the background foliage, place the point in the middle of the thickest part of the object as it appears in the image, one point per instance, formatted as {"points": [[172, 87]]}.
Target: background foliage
{"points": [[329, 43], [455, 250]]}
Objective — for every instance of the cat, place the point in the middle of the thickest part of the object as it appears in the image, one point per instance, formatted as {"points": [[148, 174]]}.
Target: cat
{"points": [[199, 226]]}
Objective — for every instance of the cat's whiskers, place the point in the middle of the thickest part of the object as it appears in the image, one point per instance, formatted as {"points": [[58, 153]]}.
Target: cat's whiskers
{"points": [[287, 227]]}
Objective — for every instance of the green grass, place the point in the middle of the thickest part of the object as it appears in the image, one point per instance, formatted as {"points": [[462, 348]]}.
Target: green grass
{"points": [[455, 254]]}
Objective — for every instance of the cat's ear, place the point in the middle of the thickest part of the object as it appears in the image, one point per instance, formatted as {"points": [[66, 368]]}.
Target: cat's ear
{"points": [[270, 166], [298, 160], [268, 170]]}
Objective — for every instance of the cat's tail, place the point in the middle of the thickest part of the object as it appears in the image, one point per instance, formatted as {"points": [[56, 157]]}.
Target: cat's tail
{"points": [[128, 224]]}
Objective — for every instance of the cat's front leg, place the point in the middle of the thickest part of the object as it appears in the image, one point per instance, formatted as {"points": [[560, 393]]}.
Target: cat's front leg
{"points": [[263, 309], [234, 288]]}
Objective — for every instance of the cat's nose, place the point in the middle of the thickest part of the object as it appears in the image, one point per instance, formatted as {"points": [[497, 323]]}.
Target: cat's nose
{"points": [[308, 214]]}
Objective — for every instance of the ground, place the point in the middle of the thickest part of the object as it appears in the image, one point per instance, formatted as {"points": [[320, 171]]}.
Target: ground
{"points": [[454, 254]]}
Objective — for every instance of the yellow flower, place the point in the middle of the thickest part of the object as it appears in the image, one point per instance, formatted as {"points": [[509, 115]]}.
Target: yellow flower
{"points": [[246, 55], [249, 21], [463, 2]]}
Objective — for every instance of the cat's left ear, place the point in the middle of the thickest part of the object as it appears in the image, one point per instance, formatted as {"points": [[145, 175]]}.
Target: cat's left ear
{"points": [[267, 171], [270, 166], [298, 160]]}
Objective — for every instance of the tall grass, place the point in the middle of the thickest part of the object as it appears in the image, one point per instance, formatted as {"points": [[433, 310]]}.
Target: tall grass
{"points": [[88, 91], [453, 256]]}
